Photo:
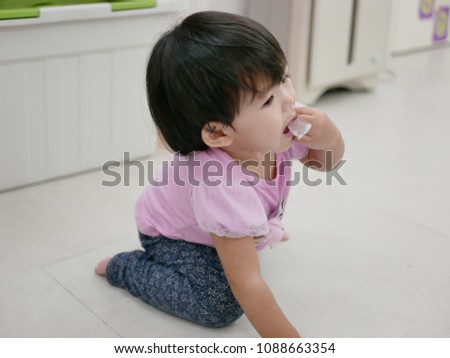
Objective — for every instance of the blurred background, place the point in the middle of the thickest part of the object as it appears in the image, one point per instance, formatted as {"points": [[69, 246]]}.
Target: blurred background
{"points": [[71, 71], [369, 253]]}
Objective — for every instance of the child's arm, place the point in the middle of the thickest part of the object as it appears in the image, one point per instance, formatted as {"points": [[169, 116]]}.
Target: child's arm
{"points": [[322, 137], [241, 265]]}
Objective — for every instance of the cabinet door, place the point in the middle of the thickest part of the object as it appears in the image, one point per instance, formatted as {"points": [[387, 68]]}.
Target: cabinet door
{"points": [[330, 35], [371, 37], [349, 39]]}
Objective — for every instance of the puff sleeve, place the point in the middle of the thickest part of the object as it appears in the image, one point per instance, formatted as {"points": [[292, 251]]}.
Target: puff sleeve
{"points": [[233, 210]]}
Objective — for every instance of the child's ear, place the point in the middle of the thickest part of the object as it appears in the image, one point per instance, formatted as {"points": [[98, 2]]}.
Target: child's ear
{"points": [[216, 135]]}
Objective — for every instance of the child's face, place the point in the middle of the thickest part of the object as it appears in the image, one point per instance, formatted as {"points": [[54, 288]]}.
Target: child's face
{"points": [[261, 123]]}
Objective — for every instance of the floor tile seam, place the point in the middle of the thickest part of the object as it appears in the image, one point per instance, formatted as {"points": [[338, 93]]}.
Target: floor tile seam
{"points": [[75, 255], [89, 309], [406, 217]]}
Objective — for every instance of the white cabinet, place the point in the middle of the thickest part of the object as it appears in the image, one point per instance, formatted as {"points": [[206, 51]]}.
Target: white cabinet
{"points": [[329, 43], [72, 89]]}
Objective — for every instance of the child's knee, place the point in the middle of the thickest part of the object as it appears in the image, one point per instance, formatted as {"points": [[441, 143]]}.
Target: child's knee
{"points": [[118, 264]]}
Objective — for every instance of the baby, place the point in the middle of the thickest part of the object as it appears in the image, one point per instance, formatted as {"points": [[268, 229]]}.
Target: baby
{"points": [[221, 97]]}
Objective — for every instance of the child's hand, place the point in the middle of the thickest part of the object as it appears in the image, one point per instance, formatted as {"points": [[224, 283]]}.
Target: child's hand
{"points": [[323, 133]]}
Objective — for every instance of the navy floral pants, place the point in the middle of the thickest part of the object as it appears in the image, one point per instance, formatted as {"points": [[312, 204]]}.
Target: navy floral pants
{"points": [[178, 277]]}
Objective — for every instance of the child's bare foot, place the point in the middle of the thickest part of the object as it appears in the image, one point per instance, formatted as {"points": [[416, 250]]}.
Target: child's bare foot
{"points": [[286, 236], [100, 269]]}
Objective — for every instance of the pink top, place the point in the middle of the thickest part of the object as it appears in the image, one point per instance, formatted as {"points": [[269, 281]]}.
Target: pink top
{"points": [[208, 192]]}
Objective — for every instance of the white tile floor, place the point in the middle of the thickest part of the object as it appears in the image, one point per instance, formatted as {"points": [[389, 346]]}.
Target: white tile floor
{"points": [[369, 259]]}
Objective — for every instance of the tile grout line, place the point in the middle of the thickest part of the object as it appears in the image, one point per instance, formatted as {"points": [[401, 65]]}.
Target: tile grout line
{"points": [[408, 218], [80, 301]]}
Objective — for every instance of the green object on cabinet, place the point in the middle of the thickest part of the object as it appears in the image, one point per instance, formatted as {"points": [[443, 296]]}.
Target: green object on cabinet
{"points": [[20, 9]]}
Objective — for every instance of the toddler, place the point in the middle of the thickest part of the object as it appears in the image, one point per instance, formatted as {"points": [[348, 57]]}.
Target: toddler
{"points": [[222, 100]]}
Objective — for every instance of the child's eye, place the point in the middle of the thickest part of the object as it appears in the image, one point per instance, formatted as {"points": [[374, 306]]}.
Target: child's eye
{"points": [[285, 78], [268, 102]]}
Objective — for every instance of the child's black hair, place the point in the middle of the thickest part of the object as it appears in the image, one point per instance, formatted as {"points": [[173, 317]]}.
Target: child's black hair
{"points": [[199, 71]]}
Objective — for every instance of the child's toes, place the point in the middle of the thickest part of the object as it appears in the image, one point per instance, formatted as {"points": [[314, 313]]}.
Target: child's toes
{"points": [[100, 269]]}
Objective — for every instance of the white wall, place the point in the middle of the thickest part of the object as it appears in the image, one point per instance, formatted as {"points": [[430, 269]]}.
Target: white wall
{"points": [[233, 6], [415, 22]]}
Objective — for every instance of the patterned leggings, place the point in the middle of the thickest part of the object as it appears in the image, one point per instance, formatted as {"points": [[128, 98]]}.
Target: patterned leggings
{"points": [[178, 277]]}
